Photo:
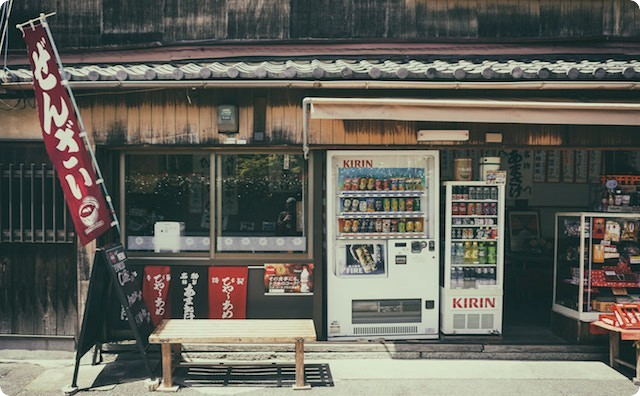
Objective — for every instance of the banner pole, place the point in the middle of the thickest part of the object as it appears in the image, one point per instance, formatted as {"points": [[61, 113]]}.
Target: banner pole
{"points": [[83, 131]]}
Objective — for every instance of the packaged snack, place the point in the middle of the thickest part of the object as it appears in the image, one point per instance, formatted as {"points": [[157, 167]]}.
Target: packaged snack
{"points": [[612, 231], [629, 231], [598, 228]]}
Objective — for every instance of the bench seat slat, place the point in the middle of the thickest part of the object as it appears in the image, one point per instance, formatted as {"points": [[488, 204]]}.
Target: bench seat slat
{"points": [[236, 330]]}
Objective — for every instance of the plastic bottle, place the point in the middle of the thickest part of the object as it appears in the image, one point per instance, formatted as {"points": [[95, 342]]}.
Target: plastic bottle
{"points": [[492, 253], [474, 253], [304, 281], [467, 253], [482, 253]]}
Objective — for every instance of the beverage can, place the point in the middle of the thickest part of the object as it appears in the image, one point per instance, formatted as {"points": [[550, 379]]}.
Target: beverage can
{"points": [[493, 208], [386, 204], [394, 204], [362, 205], [371, 183], [355, 205], [401, 205], [394, 183], [394, 225], [346, 226], [416, 205], [417, 226], [355, 183], [409, 226], [402, 225], [386, 184], [494, 193], [346, 184], [378, 205], [371, 204], [355, 225], [479, 208], [378, 184], [471, 209], [454, 208], [386, 225], [346, 205], [486, 193], [472, 193], [402, 184], [363, 183], [462, 208], [378, 225], [409, 204], [371, 225]]}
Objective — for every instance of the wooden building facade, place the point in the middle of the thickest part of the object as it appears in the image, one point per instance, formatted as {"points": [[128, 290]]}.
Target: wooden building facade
{"points": [[151, 79]]}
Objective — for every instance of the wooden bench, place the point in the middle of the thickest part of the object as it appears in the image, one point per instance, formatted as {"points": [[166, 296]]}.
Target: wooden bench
{"points": [[172, 333], [615, 335]]}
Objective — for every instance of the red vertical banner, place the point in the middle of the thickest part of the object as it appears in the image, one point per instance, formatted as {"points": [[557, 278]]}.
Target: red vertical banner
{"points": [[155, 292], [228, 292], [65, 146]]}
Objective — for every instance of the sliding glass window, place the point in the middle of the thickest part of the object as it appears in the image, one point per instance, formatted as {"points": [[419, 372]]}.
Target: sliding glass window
{"points": [[167, 202], [261, 203]]}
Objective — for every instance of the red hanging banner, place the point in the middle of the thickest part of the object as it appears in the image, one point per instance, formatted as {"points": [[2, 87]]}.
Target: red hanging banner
{"points": [[65, 146], [155, 291], [228, 292]]}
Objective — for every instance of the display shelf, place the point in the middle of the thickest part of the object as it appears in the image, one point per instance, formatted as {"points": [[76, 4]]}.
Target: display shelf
{"points": [[474, 225], [375, 235], [474, 240], [379, 215], [474, 200], [589, 247], [382, 193]]}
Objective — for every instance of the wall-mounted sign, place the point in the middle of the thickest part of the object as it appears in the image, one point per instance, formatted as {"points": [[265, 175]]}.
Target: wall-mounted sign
{"points": [[228, 292], [288, 278]]}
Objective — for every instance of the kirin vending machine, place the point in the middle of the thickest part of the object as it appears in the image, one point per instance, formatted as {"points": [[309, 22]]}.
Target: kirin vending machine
{"points": [[382, 244]]}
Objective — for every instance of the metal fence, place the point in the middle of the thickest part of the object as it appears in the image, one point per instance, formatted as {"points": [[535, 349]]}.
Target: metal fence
{"points": [[32, 206]]}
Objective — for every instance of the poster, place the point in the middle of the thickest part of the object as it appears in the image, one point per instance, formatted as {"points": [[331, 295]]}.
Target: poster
{"points": [[228, 292], [288, 279], [540, 166], [363, 259], [519, 166], [553, 166], [595, 166], [189, 292], [568, 166], [582, 166]]}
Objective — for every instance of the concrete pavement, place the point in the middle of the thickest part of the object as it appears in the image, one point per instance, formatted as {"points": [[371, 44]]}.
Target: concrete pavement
{"points": [[46, 373]]}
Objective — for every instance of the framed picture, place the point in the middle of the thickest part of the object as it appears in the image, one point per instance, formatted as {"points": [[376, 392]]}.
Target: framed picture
{"points": [[523, 227]]}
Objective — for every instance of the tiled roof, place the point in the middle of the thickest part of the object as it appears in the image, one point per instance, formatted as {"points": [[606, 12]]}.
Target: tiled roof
{"points": [[347, 69]]}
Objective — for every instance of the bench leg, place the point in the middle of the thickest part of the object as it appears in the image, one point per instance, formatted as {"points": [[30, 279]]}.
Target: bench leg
{"points": [[300, 382], [167, 369], [614, 348]]}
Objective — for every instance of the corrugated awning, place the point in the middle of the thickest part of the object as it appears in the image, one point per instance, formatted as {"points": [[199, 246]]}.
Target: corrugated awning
{"points": [[476, 110]]}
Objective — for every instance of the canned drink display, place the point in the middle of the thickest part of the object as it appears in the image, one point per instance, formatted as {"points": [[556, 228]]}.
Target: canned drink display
{"points": [[486, 193], [362, 205], [394, 204], [472, 193], [494, 193], [363, 183], [378, 225], [479, 210], [346, 226], [378, 205], [401, 205], [371, 226], [363, 226], [378, 184], [471, 209], [355, 205], [462, 208], [416, 205], [394, 225], [386, 225], [386, 204], [394, 183], [355, 225], [409, 226], [386, 184], [346, 205], [454, 209], [493, 208]]}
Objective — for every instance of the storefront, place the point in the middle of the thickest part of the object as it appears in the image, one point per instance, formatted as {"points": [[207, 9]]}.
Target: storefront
{"points": [[199, 200]]}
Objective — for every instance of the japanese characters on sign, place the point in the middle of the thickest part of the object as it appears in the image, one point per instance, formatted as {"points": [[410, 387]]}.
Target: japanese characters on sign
{"points": [[228, 292], [65, 147], [155, 291], [519, 165], [288, 278]]}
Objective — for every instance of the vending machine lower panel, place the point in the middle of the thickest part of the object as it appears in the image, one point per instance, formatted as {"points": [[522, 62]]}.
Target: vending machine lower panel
{"points": [[471, 311]]}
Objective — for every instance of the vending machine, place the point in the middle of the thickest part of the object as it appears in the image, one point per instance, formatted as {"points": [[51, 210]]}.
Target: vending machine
{"points": [[473, 258], [382, 244]]}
